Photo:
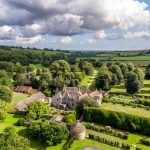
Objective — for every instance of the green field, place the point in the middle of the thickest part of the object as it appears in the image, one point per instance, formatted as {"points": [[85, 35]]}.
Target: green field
{"points": [[18, 97], [126, 109]]}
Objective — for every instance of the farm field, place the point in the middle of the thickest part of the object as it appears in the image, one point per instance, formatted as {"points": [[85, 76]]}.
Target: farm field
{"points": [[114, 57], [126, 109], [18, 97]]}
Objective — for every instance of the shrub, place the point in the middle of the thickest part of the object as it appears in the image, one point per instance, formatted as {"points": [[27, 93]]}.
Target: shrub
{"points": [[71, 118], [145, 141], [119, 120], [21, 122], [3, 115]]}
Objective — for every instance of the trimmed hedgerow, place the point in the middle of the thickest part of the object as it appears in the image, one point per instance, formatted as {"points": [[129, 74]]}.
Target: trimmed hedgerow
{"points": [[119, 120], [108, 130]]}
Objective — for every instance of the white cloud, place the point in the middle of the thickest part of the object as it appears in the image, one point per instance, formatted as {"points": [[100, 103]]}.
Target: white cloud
{"points": [[65, 40], [100, 35], [132, 35], [7, 33], [70, 17], [90, 41], [26, 41]]}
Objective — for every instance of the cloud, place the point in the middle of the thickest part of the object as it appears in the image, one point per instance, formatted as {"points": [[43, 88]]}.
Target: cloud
{"points": [[100, 35], [7, 33], [26, 41], [90, 41], [132, 35], [65, 40], [72, 17]]}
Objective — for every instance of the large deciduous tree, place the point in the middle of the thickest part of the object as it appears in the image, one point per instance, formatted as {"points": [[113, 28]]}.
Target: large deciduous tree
{"points": [[10, 140], [147, 74], [132, 83], [115, 69], [5, 93], [50, 133], [104, 79], [36, 110]]}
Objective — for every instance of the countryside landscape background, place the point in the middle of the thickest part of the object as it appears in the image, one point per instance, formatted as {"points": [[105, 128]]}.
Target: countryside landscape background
{"points": [[75, 75]]}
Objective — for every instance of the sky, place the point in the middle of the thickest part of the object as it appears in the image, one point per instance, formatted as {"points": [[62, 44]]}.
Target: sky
{"points": [[76, 24]]}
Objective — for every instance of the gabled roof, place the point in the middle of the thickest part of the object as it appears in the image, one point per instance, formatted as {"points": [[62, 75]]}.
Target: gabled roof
{"points": [[24, 103], [96, 94], [26, 89]]}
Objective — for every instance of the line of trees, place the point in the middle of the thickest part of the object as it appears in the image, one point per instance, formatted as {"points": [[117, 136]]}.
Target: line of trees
{"points": [[115, 74]]}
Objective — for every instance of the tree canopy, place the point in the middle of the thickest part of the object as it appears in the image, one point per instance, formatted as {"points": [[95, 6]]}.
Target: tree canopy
{"points": [[10, 140]]}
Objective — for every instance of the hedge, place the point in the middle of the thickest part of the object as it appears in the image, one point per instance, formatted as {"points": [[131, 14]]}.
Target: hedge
{"points": [[119, 120], [112, 142], [71, 118], [108, 130]]}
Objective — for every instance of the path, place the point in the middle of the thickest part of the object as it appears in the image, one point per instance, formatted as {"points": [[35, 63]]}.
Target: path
{"points": [[93, 77]]}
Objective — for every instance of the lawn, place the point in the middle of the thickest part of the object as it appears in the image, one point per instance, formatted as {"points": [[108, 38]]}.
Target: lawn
{"points": [[145, 91], [132, 139], [10, 121], [18, 97], [88, 79], [78, 145], [126, 109]]}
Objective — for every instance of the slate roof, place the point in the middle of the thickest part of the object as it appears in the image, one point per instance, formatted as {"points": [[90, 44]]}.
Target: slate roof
{"points": [[24, 103]]}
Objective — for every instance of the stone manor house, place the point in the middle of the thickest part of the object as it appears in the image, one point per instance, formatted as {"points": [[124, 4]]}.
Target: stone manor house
{"points": [[69, 97]]}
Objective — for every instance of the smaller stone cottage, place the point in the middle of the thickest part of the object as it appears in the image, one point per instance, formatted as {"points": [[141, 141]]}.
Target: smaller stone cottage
{"points": [[78, 130]]}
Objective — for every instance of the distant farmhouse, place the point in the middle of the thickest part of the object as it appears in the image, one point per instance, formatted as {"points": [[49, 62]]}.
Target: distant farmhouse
{"points": [[71, 96], [22, 105], [26, 89]]}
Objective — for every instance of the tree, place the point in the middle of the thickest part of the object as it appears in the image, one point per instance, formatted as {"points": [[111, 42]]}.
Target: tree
{"points": [[10, 140], [86, 102], [104, 79], [130, 66], [4, 78], [140, 75], [3, 115], [50, 133], [124, 69], [132, 83], [147, 74], [45, 80], [30, 68], [59, 67], [5, 93], [86, 67], [115, 69], [36, 110]]}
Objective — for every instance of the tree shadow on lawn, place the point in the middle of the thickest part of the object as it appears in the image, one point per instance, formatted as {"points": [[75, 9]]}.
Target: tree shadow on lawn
{"points": [[34, 143]]}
